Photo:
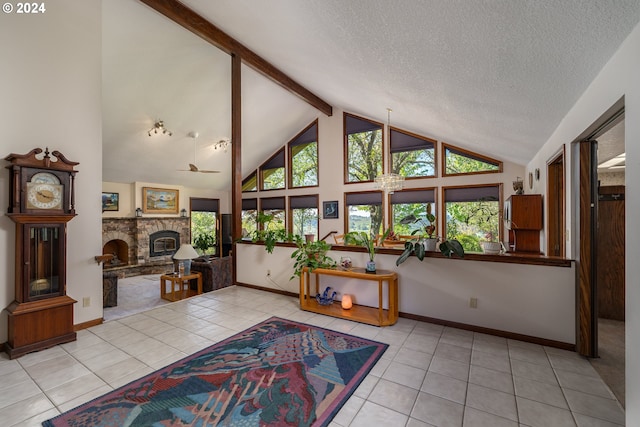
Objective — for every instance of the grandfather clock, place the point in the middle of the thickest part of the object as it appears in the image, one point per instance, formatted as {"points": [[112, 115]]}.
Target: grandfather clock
{"points": [[41, 202]]}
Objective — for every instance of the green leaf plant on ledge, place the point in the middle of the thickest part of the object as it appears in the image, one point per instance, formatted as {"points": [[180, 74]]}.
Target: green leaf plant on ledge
{"points": [[416, 246], [271, 232], [312, 255], [367, 241]]}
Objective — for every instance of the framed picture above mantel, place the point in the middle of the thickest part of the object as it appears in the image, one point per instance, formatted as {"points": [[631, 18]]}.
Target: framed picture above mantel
{"points": [[160, 200]]}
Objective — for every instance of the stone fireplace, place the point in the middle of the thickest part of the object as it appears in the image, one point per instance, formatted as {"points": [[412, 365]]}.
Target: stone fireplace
{"points": [[143, 245]]}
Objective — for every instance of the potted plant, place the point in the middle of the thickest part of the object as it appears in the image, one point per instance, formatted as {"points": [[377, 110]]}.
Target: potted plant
{"points": [[415, 246], [203, 242], [269, 234], [490, 245], [312, 255], [368, 241], [428, 224]]}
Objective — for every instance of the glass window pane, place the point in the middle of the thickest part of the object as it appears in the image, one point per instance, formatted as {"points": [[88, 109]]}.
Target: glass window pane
{"points": [[249, 222], [414, 163], [364, 155], [277, 223], [472, 222], [250, 183], [304, 164], [305, 221], [460, 162], [401, 211], [204, 231], [367, 218], [272, 179]]}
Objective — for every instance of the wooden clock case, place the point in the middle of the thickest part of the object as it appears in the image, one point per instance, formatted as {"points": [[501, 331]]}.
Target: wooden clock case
{"points": [[41, 203]]}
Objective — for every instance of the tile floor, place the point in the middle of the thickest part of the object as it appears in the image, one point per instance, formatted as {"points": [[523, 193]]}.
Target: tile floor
{"points": [[430, 375]]}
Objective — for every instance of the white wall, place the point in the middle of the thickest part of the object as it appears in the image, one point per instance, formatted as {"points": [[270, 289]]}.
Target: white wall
{"points": [[618, 78], [50, 83], [525, 299]]}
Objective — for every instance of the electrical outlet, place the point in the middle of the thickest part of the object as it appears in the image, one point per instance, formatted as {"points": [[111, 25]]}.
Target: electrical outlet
{"points": [[268, 272], [86, 301], [473, 303]]}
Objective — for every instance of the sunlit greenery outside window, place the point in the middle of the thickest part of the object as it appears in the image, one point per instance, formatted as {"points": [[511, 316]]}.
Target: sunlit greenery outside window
{"points": [[473, 215], [303, 155], [364, 212], [363, 139], [249, 217], [250, 183], [272, 175], [411, 202], [304, 215], [459, 162], [204, 220], [274, 206], [412, 156]]}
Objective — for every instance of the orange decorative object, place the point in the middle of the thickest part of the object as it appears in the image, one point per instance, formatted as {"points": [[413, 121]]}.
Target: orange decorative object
{"points": [[346, 302]]}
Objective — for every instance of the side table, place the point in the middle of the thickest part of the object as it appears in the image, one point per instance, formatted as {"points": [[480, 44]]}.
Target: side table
{"points": [[179, 286]]}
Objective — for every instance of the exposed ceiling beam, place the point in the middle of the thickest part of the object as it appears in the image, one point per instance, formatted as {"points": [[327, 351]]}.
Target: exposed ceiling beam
{"points": [[198, 25]]}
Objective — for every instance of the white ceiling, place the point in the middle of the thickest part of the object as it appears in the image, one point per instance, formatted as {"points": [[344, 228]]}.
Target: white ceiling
{"points": [[495, 76]]}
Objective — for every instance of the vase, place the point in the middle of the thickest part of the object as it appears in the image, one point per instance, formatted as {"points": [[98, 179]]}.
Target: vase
{"points": [[430, 244], [491, 247], [370, 267]]}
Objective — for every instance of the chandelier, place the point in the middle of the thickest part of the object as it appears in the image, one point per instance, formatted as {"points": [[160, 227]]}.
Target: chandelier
{"points": [[389, 182], [158, 127]]}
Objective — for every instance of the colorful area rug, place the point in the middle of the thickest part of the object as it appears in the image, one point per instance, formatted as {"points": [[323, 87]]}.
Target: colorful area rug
{"points": [[276, 373]]}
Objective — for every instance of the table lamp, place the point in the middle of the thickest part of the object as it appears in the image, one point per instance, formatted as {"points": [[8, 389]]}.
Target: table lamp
{"points": [[185, 254]]}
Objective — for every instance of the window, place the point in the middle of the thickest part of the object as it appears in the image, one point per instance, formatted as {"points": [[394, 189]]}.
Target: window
{"points": [[459, 162], [249, 217], [274, 206], [250, 183], [303, 158], [363, 148], [204, 220], [304, 215], [364, 212], [412, 202], [472, 215], [272, 172], [412, 156]]}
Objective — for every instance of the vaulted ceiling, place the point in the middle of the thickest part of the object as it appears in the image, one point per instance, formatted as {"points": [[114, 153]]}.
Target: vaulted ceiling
{"points": [[494, 76]]}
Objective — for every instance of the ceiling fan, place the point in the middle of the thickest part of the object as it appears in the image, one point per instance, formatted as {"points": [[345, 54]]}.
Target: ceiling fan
{"points": [[192, 166]]}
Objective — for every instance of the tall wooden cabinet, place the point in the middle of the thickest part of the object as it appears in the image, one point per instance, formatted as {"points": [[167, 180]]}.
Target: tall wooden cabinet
{"points": [[523, 218]]}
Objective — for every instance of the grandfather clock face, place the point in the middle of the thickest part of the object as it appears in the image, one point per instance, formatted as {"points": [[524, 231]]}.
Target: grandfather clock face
{"points": [[44, 191]]}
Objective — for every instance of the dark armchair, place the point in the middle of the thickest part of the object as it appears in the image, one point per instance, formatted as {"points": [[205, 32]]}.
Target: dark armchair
{"points": [[216, 272]]}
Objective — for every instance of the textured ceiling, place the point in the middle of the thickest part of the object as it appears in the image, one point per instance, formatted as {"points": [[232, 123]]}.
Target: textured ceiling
{"points": [[492, 76]]}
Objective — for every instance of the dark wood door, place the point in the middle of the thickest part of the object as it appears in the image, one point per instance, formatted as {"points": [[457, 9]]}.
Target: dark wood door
{"points": [[610, 257]]}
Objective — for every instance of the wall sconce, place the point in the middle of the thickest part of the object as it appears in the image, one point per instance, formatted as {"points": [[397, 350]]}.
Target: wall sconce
{"points": [[158, 127], [183, 213], [138, 212]]}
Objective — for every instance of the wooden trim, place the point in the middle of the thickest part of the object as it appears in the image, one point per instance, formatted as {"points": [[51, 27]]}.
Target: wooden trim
{"points": [[509, 258], [556, 204], [262, 288], [236, 157], [586, 322], [89, 324], [471, 154], [495, 332], [187, 18]]}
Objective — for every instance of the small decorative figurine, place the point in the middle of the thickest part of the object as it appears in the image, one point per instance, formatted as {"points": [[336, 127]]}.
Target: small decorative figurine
{"points": [[325, 298]]}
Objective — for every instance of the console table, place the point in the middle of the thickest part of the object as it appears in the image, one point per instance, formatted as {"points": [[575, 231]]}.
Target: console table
{"points": [[179, 285], [376, 316]]}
